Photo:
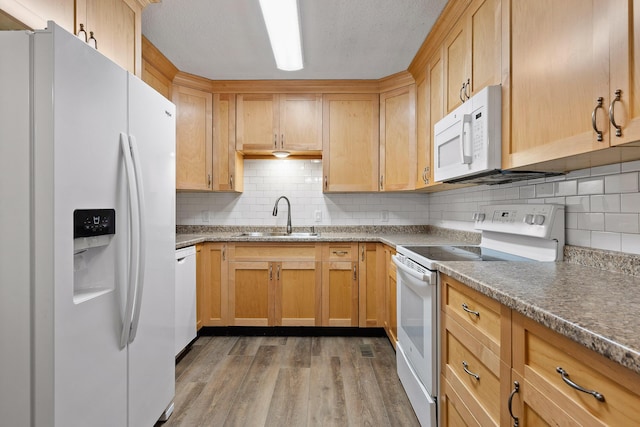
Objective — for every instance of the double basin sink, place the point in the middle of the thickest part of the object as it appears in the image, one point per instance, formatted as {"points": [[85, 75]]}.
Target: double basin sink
{"points": [[276, 234]]}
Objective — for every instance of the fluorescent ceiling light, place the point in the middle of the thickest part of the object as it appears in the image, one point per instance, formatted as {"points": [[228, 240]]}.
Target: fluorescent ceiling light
{"points": [[281, 18]]}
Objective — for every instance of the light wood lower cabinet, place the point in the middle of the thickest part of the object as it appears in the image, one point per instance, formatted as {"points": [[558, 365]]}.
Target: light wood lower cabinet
{"points": [[371, 285], [545, 398], [486, 348], [211, 284], [391, 319], [340, 284], [274, 285]]}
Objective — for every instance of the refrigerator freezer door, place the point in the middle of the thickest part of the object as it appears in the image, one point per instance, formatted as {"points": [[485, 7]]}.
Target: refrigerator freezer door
{"points": [[80, 101], [151, 358], [15, 276]]}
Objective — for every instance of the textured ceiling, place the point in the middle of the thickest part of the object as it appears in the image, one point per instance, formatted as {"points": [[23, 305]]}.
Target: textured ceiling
{"points": [[342, 39]]}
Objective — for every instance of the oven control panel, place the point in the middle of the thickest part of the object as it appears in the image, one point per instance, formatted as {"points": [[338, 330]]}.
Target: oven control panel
{"points": [[535, 220]]}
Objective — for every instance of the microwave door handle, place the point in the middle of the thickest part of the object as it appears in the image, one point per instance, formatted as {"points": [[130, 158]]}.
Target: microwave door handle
{"points": [[465, 158]]}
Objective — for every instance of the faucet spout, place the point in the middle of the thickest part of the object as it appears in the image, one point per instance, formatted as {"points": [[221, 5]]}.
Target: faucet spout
{"points": [[275, 212]]}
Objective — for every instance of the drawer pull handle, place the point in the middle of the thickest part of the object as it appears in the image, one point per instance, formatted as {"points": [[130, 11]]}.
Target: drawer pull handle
{"points": [[465, 307], [565, 377], [340, 253], [465, 366], [516, 389]]}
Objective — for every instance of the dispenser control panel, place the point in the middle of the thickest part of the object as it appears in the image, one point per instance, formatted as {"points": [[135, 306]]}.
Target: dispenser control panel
{"points": [[93, 222]]}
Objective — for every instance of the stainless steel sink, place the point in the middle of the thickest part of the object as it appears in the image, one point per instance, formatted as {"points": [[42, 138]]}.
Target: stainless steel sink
{"points": [[276, 234]]}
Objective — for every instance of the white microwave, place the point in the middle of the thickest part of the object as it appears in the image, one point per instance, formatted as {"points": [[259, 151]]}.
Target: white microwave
{"points": [[467, 142]]}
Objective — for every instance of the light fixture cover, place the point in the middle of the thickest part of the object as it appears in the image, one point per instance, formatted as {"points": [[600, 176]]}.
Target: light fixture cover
{"points": [[281, 154], [281, 19]]}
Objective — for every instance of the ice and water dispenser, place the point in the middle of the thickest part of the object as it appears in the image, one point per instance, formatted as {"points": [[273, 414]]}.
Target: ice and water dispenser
{"points": [[94, 257]]}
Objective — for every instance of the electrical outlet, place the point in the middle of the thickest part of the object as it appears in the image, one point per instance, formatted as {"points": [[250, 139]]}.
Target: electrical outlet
{"points": [[317, 216], [385, 216], [205, 216]]}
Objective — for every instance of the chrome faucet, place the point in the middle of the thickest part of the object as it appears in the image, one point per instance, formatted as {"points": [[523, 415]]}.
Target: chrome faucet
{"points": [[275, 212]]}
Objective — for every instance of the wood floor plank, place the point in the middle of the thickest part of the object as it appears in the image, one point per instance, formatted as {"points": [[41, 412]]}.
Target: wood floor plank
{"points": [[186, 393], [246, 346], [327, 406], [395, 399], [213, 352], [363, 397], [297, 353], [290, 401], [251, 405], [213, 404]]}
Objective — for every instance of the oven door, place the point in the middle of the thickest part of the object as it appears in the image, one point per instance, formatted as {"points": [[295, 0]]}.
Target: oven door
{"points": [[418, 332]]}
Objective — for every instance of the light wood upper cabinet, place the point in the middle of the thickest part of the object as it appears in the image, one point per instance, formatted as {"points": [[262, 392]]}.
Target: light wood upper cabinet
{"points": [[350, 142], [116, 27], [582, 54], [116, 24], [624, 70], [398, 139], [228, 165], [268, 122], [194, 143], [472, 52]]}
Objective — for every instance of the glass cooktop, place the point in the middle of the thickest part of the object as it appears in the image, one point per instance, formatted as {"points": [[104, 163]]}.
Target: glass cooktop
{"points": [[461, 253]]}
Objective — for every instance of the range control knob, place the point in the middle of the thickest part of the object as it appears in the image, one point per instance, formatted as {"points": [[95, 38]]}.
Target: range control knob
{"points": [[539, 219], [528, 219]]}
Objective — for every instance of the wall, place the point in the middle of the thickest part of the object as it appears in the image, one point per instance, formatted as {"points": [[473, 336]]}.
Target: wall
{"points": [[301, 182], [602, 204]]}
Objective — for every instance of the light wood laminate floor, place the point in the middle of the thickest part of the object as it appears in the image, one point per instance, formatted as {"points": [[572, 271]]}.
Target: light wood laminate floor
{"points": [[290, 381]]}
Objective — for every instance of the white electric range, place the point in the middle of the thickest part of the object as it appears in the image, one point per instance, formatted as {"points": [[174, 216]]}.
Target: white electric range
{"points": [[515, 232]]}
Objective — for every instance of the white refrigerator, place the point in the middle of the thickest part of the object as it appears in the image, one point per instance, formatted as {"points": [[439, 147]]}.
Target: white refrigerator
{"points": [[87, 238]]}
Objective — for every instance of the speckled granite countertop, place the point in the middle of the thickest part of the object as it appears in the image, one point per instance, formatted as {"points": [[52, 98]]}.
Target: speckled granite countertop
{"points": [[593, 297], [596, 308], [392, 236]]}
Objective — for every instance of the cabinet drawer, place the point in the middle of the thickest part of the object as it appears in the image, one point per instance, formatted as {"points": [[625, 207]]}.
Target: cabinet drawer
{"points": [[480, 315], [340, 252], [272, 252], [479, 388], [539, 352]]}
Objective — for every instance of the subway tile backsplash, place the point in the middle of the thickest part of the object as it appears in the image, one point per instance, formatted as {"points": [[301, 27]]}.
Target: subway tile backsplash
{"points": [[602, 204]]}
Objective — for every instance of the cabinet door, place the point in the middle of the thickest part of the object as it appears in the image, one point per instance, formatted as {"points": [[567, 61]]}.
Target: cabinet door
{"points": [[212, 284], [297, 293], [228, 164], [423, 143], [350, 142], [625, 70], [457, 63], [300, 122], [398, 139], [251, 293], [484, 18], [391, 319], [559, 57], [35, 13], [371, 290], [339, 293], [435, 103], [538, 353], [194, 138], [257, 123], [116, 28]]}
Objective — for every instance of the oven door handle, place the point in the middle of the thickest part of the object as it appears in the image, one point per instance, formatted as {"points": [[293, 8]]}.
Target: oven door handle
{"points": [[415, 274]]}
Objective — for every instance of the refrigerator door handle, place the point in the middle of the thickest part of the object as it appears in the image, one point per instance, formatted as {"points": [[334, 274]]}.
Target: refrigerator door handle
{"points": [[134, 242], [137, 169]]}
